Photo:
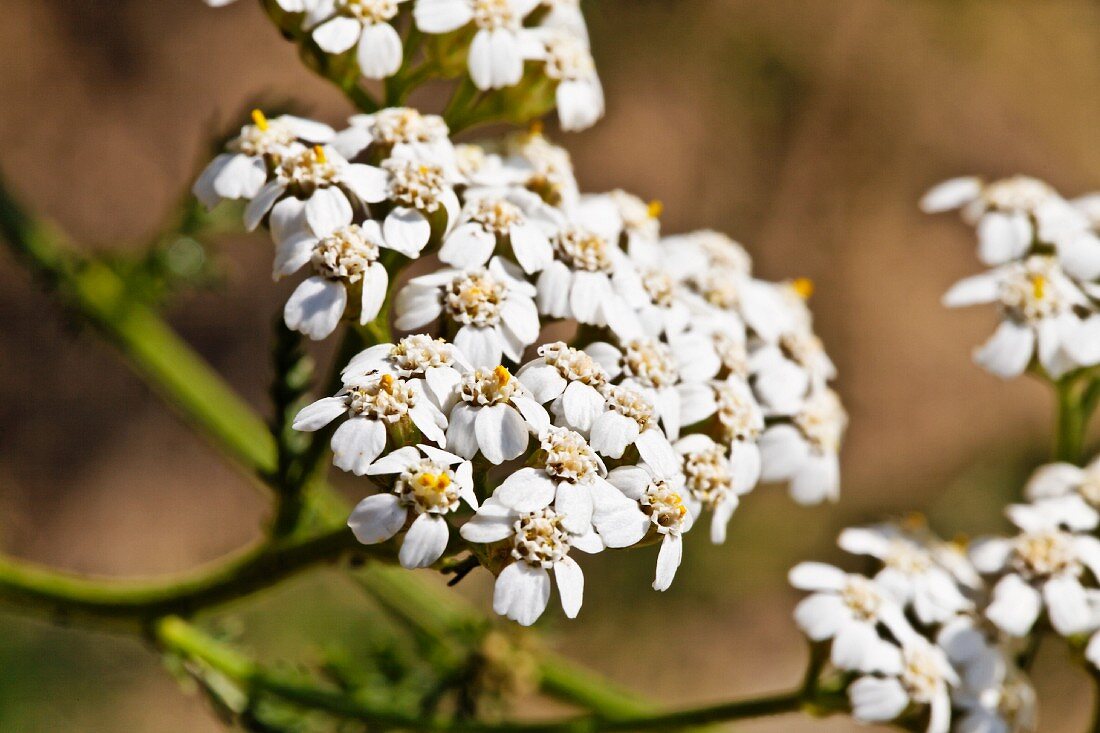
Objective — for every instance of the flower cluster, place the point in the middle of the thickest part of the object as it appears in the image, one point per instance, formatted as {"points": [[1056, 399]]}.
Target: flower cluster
{"points": [[913, 642], [688, 380], [1044, 255], [501, 44]]}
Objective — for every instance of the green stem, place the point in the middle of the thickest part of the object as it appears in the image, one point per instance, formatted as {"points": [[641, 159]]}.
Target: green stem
{"points": [[127, 603], [1070, 435], [180, 637]]}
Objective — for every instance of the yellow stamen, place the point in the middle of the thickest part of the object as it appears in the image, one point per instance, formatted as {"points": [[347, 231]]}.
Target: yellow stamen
{"points": [[535, 129], [914, 521], [654, 209], [803, 287], [386, 381], [319, 154], [435, 481], [961, 541], [259, 120], [503, 375], [1038, 286]]}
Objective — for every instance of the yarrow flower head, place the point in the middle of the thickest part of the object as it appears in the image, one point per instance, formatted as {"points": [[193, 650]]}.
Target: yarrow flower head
{"points": [[339, 25], [494, 415], [418, 356]]}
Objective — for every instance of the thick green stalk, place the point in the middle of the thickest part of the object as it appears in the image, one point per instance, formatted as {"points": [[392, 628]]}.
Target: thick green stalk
{"points": [[1070, 429], [130, 603], [178, 636]]}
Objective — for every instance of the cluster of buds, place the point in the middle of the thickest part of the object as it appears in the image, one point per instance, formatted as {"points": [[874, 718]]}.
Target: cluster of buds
{"points": [[1044, 257]]}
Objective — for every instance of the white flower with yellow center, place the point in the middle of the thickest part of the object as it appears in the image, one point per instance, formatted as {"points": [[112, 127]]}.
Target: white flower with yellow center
{"points": [[578, 284], [660, 493], [571, 476], [497, 49], [1015, 214], [421, 191], [715, 477], [491, 310], [344, 260], [501, 221], [847, 610], [621, 218], [428, 484], [241, 172], [665, 372], [805, 449], [911, 572], [738, 416], [923, 677], [330, 187], [786, 371], [1043, 566], [539, 542], [568, 62], [373, 408], [337, 25], [494, 415], [1064, 479], [417, 356], [541, 166], [1044, 315], [563, 373], [402, 132]]}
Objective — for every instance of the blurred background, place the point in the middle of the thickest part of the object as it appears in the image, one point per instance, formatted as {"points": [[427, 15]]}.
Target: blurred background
{"points": [[807, 129]]}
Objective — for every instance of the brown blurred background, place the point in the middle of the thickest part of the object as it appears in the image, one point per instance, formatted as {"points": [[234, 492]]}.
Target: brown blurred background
{"points": [[805, 128]]}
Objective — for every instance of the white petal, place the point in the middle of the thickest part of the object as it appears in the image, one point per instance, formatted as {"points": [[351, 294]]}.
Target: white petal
{"points": [[1015, 606], [574, 503], [319, 414], [377, 518], [618, 519], [974, 290], [521, 593], [379, 51], [590, 289], [468, 246], [461, 439], [338, 34], [783, 450], [1067, 605], [365, 181], [395, 461], [521, 319], [1054, 479], [327, 210], [425, 542], [877, 700], [407, 231], [612, 432], [241, 177], [817, 576], [951, 194], [553, 286], [581, 404], [544, 381], [483, 345], [721, 518], [526, 490], [375, 282], [817, 480], [492, 523], [531, 247], [990, 554], [570, 582], [501, 433], [203, 188], [821, 616], [356, 443], [258, 207], [442, 16], [316, 307], [533, 413], [668, 560], [1008, 351], [1003, 237]]}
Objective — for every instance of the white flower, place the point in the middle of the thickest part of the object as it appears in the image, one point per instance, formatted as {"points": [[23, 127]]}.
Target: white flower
{"points": [[584, 281], [571, 476], [495, 415], [492, 309], [565, 15], [911, 572], [372, 406], [924, 677], [1011, 215], [539, 543], [660, 493], [715, 477], [805, 450], [340, 24], [421, 190], [429, 484], [658, 369], [1040, 308], [440, 364], [541, 166], [331, 187], [993, 695], [290, 6], [697, 252], [497, 49], [731, 401], [568, 62], [241, 173], [785, 371], [562, 370], [848, 610], [1063, 479], [1042, 566], [401, 132], [497, 220]]}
